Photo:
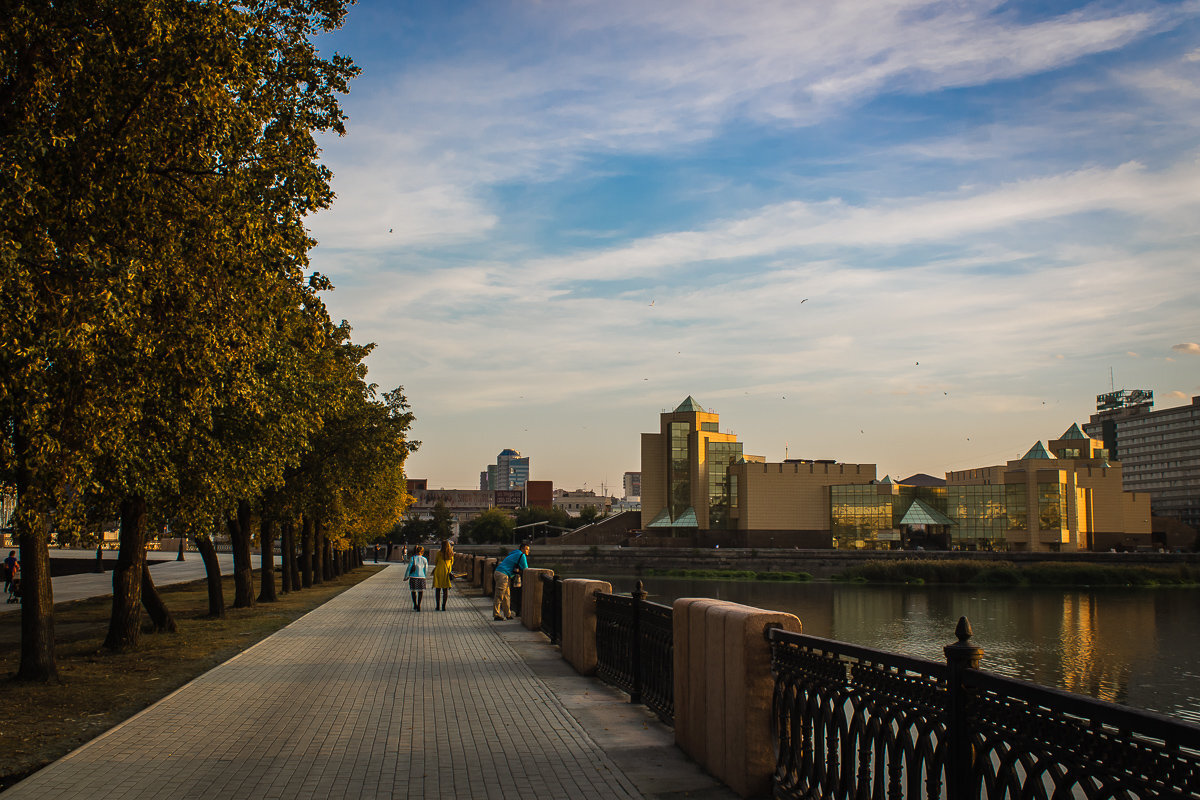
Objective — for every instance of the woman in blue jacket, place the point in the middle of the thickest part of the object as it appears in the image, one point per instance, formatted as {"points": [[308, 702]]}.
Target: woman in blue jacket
{"points": [[415, 572]]}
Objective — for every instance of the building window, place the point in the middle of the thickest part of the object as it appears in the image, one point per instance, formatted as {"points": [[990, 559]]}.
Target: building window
{"points": [[721, 491], [1051, 497], [681, 484], [1018, 510]]}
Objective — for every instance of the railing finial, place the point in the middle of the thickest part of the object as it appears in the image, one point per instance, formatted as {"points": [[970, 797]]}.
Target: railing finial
{"points": [[963, 631]]}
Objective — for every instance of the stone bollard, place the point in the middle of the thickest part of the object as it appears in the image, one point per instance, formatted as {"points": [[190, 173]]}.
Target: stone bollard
{"points": [[531, 597], [723, 689], [476, 571], [579, 622], [489, 576]]}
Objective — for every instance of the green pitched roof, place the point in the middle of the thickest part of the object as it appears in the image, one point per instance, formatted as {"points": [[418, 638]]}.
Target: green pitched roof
{"points": [[921, 513], [661, 520], [1037, 451], [685, 520], [886, 479], [689, 405], [1074, 432]]}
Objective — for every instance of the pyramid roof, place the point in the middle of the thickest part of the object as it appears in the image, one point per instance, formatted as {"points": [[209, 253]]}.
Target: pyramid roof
{"points": [[1074, 432], [689, 404], [1039, 452], [921, 513]]}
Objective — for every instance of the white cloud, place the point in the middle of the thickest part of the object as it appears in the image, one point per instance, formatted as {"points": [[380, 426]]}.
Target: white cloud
{"points": [[1128, 189], [1192, 348]]}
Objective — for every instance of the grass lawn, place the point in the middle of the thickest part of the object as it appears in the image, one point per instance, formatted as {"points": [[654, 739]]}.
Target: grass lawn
{"points": [[40, 723]]}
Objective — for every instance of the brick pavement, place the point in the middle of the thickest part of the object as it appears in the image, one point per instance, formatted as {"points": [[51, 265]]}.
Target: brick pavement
{"points": [[364, 698]]}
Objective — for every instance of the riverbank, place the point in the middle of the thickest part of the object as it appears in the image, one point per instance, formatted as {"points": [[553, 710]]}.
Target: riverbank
{"points": [[583, 561]]}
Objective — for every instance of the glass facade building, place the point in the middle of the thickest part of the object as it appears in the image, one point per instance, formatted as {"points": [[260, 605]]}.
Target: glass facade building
{"points": [[722, 487], [869, 517]]}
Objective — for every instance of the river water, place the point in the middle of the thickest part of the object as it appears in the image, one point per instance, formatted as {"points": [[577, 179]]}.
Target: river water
{"points": [[1138, 647]]}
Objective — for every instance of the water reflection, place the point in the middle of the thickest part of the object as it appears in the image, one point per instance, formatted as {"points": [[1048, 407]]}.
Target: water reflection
{"points": [[1136, 647]]}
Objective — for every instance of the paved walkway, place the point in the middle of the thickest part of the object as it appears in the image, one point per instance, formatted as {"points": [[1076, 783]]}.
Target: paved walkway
{"points": [[363, 698]]}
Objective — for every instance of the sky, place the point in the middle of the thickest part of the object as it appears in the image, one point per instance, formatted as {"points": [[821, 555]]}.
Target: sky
{"points": [[922, 235]]}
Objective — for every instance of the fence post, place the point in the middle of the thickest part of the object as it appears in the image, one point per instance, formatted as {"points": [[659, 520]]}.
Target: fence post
{"points": [[960, 749], [639, 594]]}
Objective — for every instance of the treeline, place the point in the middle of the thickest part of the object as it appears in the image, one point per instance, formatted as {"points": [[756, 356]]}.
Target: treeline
{"points": [[165, 355], [1006, 573]]}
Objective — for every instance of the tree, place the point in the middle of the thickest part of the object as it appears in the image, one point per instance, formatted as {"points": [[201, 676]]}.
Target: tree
{"points": [[158, 160], [443, 521], [492, 526]]}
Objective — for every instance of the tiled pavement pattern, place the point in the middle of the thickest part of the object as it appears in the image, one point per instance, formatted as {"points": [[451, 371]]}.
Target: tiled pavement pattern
{"points": [[364, 698]]}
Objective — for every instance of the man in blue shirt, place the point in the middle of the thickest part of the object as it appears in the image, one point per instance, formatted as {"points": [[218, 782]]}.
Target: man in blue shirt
{"points": [[514, 562]]}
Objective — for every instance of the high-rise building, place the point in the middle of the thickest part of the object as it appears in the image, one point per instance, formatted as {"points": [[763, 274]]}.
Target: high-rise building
{"points": [[510, 471], [1159, 450], [632, 485]]}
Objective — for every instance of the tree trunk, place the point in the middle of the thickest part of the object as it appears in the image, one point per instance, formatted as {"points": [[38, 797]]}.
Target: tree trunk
{"points": [[285, 551], [266, 549], [318, 552], [243, 570], [125, 624], [306, 552], [293, 563], [37, 597], [212, 572], [160, 615]]}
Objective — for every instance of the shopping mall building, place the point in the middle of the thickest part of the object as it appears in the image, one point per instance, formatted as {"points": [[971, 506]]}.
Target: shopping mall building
{"points": [[699, 488]]}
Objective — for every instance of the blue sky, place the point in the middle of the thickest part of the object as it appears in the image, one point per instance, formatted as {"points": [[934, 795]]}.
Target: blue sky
{"points": [[915, 234]]}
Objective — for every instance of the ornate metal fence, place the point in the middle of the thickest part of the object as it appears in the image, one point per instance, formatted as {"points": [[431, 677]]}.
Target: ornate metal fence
{"points": [[635, 650], [552, 607], [853, 722]]}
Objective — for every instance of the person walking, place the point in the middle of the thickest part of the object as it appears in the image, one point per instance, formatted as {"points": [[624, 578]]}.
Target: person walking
{"points": [[513, 563], [442, 574], [415, 572]]}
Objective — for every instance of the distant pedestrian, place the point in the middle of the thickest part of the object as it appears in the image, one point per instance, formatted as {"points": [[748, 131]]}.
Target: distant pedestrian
{"points": [[415, 572], [12, 570], [443, 567], [513, 563], [376, 552]]}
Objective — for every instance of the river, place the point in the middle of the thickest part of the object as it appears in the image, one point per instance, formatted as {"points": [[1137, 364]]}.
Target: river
{"points": [[1137, 647]]}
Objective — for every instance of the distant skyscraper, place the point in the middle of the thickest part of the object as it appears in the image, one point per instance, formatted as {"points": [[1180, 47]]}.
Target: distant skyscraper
{"points": [[632, 485], [510, 471]]}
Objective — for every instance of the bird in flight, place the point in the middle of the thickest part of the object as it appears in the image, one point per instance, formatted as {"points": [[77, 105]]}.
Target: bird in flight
{"points": [[389, 230], [805, 300]]}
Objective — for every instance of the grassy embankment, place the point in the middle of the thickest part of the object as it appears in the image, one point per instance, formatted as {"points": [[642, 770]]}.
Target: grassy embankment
{"points": [[730, 575], [1006, 573]]}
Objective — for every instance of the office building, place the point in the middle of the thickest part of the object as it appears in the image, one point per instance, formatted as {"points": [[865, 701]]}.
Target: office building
{"points": [[510, 472], [632, 485], [1159, 450]]}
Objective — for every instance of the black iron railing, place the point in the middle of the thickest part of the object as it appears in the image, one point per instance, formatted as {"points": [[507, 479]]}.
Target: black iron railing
{"points": [[634, 649], [552, 607], [851, 721]]}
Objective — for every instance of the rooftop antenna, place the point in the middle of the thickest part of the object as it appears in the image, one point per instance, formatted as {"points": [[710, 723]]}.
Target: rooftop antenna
{"points": [[1112, 387], [785, 446]]}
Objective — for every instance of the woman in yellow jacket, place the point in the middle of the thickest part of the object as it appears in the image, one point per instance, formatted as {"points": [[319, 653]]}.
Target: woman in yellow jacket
{"points": [[442, 575]]}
